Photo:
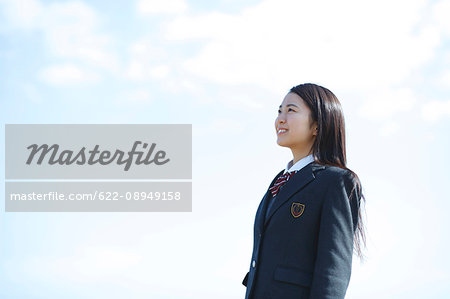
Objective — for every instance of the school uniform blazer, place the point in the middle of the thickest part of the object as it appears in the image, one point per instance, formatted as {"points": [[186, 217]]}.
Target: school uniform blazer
{"points": [[303, 250]]}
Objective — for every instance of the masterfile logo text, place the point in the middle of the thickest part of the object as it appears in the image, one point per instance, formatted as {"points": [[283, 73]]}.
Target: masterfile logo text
{"points": [[67, 157]]}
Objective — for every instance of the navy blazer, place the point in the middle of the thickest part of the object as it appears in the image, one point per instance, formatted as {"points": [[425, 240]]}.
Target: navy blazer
{"points": [[304, 248]]}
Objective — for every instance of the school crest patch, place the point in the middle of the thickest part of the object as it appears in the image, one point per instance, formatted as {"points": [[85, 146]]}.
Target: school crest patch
{"points": [[297, 209]]}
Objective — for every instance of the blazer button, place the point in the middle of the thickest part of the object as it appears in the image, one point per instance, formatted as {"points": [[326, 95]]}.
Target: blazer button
{"points": [[254, 263]]}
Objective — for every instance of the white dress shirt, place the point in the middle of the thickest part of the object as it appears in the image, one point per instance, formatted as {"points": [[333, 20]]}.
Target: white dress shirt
{"points": [[299, 165]]}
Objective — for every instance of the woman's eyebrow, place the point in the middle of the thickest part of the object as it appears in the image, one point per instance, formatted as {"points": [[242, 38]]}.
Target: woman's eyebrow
{"points": [[289, 105]]}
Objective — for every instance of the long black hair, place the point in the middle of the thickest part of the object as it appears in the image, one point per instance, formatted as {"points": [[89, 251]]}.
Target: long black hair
{"points": [[329, 146]]}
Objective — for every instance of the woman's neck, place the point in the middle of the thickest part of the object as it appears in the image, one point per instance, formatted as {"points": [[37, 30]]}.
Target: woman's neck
{"points": [[298, 155]]}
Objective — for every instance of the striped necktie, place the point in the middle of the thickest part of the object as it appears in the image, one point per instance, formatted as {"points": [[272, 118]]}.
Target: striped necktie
{"points": [[280, 182]]}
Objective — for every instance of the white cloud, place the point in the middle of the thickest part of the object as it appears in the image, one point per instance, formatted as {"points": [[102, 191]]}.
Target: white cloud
{"points": [[443, 79], [23, 13], [350, 44], [219, 126], [67, 74], [385, 103], [138, 96], [389, 129], [145, 48], [435, 110], [146, 61], [194, 27], [160, 71], [150, 7], [140, 71], [70, 30], [441, 13]]}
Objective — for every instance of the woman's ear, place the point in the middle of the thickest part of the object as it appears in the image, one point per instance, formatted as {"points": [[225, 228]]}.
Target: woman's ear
{"points": [[315, 129]]}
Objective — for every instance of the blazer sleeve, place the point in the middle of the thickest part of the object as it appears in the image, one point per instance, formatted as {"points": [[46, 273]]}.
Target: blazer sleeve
{"points": [[244, 281], [338, 221]]}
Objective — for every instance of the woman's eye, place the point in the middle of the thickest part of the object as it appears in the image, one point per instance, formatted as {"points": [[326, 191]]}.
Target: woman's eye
{"points": [[290, 109]]}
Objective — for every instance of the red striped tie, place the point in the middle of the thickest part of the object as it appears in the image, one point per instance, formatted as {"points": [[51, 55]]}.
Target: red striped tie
{"points": [[280, 182]]}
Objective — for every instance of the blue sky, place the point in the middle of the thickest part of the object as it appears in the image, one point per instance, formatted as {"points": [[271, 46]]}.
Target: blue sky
{"points": [[224, 67]]}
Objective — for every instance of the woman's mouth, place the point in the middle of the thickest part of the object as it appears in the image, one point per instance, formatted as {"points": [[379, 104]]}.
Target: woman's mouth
{"points": [[281, 131]]}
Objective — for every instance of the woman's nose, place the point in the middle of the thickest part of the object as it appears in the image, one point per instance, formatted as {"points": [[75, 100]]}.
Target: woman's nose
{"points": [[280, 119]]}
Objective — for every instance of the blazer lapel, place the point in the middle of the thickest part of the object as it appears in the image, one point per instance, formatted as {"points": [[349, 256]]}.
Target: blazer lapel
{"points": [[297, 182]]}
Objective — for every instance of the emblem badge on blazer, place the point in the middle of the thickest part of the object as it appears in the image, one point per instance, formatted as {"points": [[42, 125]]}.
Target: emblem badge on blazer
{"points": [[297, 209]]}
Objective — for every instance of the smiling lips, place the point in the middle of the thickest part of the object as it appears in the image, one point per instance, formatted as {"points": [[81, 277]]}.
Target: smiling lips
{"points": [[281, 131]]}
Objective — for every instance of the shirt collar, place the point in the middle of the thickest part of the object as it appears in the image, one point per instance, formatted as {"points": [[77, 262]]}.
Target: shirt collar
{"points": [[299, 165]]}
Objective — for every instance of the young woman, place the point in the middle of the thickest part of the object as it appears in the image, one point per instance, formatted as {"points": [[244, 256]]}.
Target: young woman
{"points": [[308, 223]]}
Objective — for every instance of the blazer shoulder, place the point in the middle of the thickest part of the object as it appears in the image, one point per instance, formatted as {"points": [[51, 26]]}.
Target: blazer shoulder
{"points": [[329, 172], [333, 175]]}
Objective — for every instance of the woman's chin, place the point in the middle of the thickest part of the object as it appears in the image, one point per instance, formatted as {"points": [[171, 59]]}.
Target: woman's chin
{"points": [[282, 143]]}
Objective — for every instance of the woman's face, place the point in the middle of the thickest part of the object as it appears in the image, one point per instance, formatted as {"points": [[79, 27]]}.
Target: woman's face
{"points": [[292, 125]]}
